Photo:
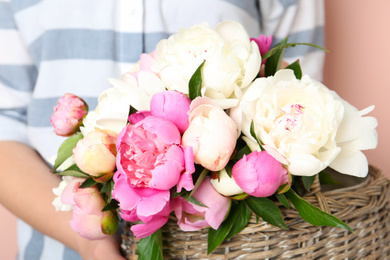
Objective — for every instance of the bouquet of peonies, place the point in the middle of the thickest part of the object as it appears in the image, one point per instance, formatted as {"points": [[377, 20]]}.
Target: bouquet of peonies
{"points": [[208, 127]]}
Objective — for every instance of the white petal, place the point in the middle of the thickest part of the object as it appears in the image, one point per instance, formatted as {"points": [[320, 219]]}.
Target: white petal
{"points": [[232, 31], [149, 82], [353, 126], [225, 185], [226, 103], [351, 163], [253, 145], [304, 165], [252, 67]]}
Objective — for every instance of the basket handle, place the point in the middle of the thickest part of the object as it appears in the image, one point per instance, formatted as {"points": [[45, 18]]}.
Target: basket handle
{"points": [[315, 190]]}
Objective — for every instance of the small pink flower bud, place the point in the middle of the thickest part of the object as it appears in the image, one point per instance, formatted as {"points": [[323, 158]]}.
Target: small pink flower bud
{"points": [[259, 174], [95, 153], [68, 114]]}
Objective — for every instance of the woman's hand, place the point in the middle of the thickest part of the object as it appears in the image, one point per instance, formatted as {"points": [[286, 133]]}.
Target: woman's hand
{"points": [[103, 249]]}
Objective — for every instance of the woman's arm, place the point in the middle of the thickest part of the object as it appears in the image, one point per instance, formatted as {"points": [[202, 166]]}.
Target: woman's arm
{"points": [[26, 185]]}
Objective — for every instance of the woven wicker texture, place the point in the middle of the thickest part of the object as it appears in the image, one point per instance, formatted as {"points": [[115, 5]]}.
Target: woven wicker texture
{"points": [[364, 207]]}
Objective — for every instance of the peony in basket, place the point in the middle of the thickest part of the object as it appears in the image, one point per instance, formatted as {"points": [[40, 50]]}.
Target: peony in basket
{"points": [[208, 140]]}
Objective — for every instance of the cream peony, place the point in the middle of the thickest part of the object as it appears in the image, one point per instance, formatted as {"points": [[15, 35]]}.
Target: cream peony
{"points": [[114, 103], [232, 60], [306, 126]]}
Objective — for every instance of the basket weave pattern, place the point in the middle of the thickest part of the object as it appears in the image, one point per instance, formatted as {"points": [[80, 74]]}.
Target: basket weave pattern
{"points": [[364, 207]]}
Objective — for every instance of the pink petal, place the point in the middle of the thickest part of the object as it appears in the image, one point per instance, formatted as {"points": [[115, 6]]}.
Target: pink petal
{"points": [[153, 204], [87, 226], [166, 175], [144, 230]]}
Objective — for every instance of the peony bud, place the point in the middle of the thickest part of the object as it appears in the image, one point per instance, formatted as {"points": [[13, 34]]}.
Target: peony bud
{"points": [[225, 185], [68, 114], [88, 220], [264, 44], [259, 174], [173, 106], [192, 217], [95, 153], [212, 134]]}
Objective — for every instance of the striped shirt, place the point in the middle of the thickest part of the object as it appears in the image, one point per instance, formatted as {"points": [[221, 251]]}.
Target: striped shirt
{"points": [[50, 47]]}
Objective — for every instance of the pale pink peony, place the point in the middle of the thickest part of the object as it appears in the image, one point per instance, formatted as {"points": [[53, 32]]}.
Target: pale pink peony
{"points": [[150, 154], [68, 114], [264, 44], [95, 153], [259, 174], [88, 219], [151, 206], [173, 106], [212, 134], [192, 217]]}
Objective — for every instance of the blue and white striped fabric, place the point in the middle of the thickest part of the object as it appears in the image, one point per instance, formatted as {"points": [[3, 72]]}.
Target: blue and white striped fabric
{"points": [[50, 47]]}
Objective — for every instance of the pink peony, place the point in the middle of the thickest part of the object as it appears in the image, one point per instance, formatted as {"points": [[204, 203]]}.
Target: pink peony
{"points": [[68, 114], [212, 134], [88, 219], [150, 154], [264, 44], [151, 206], [259, 174], [192, 217], [95, 153], [173, 106]]}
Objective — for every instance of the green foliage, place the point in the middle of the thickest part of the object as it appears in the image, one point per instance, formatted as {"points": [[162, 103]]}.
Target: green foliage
{"points": [[88, 183], [274, 58], [314, 215], [151, 247], [282, 199], [66, 149], [296, 67], [308, 181], [195, 83], [237, 219], [267, 210], [253, 134]]}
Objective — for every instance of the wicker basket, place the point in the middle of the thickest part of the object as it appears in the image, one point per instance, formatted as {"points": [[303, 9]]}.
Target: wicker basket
{"points": [[363, 206]]}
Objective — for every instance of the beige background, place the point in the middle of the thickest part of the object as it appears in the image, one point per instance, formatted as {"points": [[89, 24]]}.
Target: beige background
{"points": [[358, 36]]}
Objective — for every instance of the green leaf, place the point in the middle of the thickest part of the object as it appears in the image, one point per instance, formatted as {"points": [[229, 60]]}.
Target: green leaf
{"points": [[282, 199], [66, 149], [151, 247], [327, 178], [245, 150], [229, 168], [111, 206], [195, 83], [253, 134], [267, 210], [296, 67], [308, 181], [88, 183], [283, 44], [244, 215], [194, 201], [314, 215], [274, 58], [132, 110], [216, 237], [107, 186], [73, 173]]}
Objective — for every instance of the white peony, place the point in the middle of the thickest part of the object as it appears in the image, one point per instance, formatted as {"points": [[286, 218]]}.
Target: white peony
{"points": [[232, 60], [114, 103], [306, 126], [58, 191]]}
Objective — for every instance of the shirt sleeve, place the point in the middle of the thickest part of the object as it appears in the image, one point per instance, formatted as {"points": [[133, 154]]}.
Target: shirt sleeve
{"points": [[17, 78], [302, 21]]}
